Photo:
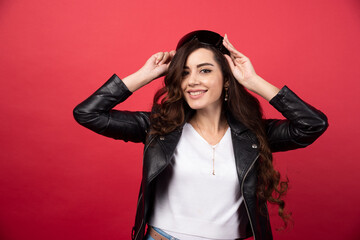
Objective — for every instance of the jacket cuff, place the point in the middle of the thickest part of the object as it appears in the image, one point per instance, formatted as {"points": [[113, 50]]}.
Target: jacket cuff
{"points": [[281, 99], [118, 88], [295, 109]]}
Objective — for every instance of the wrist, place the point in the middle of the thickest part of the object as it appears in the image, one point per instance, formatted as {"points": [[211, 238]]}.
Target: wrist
{"points": [[263, 88], [254, 83], [143, 77], [136, 81]]}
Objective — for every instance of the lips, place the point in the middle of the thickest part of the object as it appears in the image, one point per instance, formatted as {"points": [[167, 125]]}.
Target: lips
{"points": [[193, 93], [196, 93]]}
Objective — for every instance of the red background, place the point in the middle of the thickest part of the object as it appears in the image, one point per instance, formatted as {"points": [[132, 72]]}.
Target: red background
{"points": [[58, 180]]}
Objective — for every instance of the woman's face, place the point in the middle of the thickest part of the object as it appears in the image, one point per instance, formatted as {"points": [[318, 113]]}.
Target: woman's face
{"points": [[202, 82]]}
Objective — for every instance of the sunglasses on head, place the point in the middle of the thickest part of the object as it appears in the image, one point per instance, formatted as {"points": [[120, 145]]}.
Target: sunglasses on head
{"points": [[206, 37]]}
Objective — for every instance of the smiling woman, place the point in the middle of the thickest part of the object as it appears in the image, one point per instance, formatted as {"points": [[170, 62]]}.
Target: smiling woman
{"points": [[203, 82], [207, 168]]}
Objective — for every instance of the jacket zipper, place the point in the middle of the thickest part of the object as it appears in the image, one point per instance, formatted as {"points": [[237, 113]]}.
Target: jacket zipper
{"points": [[242, 192], [142, 223], [140, 197], [141, 194]]}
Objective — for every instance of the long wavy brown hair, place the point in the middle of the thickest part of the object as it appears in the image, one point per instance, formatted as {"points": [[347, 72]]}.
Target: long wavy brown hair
{"points": [[170, 110]]}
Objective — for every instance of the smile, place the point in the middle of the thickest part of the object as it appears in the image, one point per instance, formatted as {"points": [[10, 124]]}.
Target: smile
{"points": [[196, 93]]}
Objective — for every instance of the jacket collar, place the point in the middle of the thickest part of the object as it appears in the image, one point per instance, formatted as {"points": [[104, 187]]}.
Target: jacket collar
{"points": [[235, 125]]}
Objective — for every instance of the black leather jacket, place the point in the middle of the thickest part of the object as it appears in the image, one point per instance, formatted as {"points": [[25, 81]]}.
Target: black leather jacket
{"points": [[302, 126]]}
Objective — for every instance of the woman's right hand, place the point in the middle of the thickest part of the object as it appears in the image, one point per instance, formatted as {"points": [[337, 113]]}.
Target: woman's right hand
{"points": [[156, 66]]}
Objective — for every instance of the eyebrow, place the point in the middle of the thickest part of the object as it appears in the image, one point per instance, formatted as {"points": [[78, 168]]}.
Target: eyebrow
{"points": [[201, 65]]}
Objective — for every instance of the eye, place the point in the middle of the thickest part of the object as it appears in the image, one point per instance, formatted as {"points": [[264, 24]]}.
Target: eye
{"points": [[184, 73], [205, 70]]}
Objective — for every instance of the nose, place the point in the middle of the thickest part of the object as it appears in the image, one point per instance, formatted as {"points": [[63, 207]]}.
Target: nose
{"points": [[193, 79]]}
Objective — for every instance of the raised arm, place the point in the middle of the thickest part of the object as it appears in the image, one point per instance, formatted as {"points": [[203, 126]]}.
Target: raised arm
{"points": [[303, 123], [302, 126], [96, 112]]}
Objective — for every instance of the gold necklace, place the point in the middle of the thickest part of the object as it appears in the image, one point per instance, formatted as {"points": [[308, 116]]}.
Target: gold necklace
{"points": [[213, 147]]}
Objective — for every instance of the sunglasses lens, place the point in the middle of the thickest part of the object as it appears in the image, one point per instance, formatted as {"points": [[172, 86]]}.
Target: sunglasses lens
{"points": [[204, 36], [210, 38]]}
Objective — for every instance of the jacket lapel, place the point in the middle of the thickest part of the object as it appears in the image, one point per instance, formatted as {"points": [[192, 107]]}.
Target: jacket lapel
{"points": [[245, 144], [159, 152]]}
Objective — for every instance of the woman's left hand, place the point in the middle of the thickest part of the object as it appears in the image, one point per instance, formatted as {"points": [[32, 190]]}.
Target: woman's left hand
{"points": [[240, 65], [244, 72]]}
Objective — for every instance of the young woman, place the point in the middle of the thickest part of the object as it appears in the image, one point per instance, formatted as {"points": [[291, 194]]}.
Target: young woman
{"points": [[207, 167]]}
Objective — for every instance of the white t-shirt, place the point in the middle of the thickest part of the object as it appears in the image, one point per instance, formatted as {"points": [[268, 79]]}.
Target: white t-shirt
{"points": [[191, 202]]}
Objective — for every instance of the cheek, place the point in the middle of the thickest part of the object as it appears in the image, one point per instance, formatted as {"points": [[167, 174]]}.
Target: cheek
{"points": [[183, 86], [218, 83], [219, 88]]}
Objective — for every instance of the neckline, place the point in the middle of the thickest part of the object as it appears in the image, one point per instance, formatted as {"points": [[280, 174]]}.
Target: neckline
{"points": [[204, 140]]}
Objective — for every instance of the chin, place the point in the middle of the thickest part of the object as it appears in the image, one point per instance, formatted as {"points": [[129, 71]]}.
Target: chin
{"points": [[195, 106]]}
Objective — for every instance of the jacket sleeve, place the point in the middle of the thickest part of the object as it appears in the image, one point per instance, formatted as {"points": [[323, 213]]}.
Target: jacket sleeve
{"points": [[96, 113], [302, 126]]}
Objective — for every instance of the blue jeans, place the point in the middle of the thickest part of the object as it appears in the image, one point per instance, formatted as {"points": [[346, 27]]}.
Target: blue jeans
{"points": [[148, 237]]}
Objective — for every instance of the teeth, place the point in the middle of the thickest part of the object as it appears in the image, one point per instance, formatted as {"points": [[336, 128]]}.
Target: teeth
{"points": [[196, 93]]}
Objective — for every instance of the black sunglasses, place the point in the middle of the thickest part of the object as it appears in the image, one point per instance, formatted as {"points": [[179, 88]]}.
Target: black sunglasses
{"points": [[206, 37]]}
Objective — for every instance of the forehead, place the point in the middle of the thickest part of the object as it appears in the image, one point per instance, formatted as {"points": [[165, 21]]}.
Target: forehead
{"points": [[199, 56]]}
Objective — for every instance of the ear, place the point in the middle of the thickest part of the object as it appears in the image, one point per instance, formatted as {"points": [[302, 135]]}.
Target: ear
{"points": [[226, 84]]}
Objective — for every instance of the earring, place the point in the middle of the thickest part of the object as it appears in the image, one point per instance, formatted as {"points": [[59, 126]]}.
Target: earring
{"points": [[226, 95], [226, 88]]}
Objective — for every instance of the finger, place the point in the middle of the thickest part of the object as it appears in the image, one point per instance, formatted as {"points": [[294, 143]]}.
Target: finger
{"points": [[159, 56], [231, 48], [234, 64], [241, 61], [226, 42], [165, 56], [170, 56], [234, 52], [235, 60], [230, 61], [229, 43], [172, 53], [226, 39]]}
